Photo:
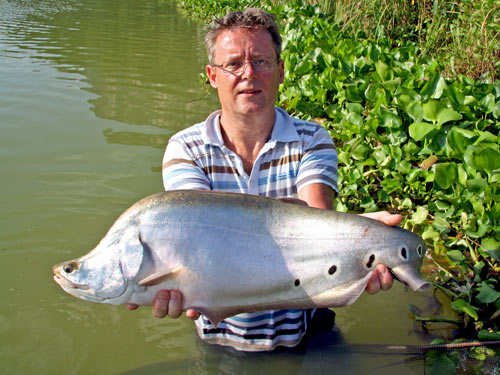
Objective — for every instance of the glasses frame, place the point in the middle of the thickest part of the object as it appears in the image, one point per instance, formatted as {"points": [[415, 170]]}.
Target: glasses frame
{"points": [[245, 63]]}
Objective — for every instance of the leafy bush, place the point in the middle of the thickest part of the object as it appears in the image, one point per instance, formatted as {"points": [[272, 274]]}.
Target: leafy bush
{"points": [[464, 35]]}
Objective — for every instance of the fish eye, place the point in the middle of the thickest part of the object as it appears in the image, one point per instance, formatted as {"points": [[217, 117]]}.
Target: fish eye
{"points": [[70, 267]]}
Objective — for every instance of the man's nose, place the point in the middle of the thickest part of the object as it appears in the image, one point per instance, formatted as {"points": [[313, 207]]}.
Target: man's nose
{"points": [[248, 70]]}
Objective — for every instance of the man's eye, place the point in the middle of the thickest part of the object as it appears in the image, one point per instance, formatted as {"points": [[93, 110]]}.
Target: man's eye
{"points": [[260, 62], [234, 64]]}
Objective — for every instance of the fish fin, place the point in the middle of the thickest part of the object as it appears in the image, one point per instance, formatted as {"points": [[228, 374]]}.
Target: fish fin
{"points": [[158, 277], [342, 295], [216, 316]]}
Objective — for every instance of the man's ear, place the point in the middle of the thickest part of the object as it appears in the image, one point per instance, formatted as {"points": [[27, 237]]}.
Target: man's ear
{"points": [[281, 66], [212, 76]]}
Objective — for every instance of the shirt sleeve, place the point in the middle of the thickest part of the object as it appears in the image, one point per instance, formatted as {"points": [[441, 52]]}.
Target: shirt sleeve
{"points": [[179, 170], [319, 163]]}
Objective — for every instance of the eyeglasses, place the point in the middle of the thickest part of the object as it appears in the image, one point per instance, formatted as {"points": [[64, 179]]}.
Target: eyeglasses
{"points": [[238, 67]]}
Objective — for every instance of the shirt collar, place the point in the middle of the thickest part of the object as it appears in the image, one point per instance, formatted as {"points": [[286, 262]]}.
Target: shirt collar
{"points": [[283, 129]]}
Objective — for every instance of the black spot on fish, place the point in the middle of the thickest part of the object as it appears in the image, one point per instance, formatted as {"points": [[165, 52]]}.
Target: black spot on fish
{"points": [[332, 270], [297, 282], [370, 261], [404, 253]]}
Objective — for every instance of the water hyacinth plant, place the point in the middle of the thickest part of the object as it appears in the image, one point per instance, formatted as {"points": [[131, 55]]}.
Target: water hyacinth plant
{"points": [[410, 137]]}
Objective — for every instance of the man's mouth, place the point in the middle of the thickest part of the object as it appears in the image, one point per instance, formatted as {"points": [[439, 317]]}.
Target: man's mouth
{"points": [[250, 91]]}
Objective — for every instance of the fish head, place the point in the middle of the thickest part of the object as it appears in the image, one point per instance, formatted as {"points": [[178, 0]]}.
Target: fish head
{"points": [[94, 277], [411, 252], [103, 275]]}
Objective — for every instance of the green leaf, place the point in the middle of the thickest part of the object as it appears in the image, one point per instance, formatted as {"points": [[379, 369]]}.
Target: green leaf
{"points": [[430, 234], [487, 294], [496, 110], [431, 110], [462, 306], [445, 174], [486, 335], [420, 215], [455, 95], [383, 70], [482, 158], [476, 185], [303, 67], [390, 120], [459, 139], [434, 87], [455, 256], [360, 152], [419, 130], [404, 97], [492, 247], [446, 115], [488, 103], [414, 110]]}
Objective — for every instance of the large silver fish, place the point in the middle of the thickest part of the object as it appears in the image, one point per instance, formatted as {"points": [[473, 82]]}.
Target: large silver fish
{"points": [[232, 253]]}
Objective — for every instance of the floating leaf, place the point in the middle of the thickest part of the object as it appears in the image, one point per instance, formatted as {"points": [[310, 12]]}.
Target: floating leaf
{"points": [[487, 294], [486, 335], [455, 256], [462, 306]]}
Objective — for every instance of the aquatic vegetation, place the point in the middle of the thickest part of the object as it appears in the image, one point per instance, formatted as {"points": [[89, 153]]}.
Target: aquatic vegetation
{"points": [[409, 140]]}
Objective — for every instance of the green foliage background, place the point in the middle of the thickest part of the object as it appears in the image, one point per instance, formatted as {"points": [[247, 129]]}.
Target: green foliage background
{"points": [[409, 140]]}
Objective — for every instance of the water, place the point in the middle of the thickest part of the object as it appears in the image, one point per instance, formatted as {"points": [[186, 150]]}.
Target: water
{"points": [[90, 92]]}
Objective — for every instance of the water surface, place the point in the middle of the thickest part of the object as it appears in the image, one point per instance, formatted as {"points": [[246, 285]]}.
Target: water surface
{"points": [[90, 92]]}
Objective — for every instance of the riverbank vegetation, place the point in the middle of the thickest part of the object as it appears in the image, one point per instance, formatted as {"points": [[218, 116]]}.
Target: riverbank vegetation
{"points": [[407, 91]]}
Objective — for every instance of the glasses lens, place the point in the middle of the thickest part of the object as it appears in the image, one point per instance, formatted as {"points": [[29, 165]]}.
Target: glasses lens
{"points": [[259, 65]]}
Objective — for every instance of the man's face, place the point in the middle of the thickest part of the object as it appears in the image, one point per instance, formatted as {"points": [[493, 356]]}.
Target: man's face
{"points": [[249, 92]]}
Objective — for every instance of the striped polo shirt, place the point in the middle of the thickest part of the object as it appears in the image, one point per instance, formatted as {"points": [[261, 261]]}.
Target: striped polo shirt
{"points": [[297, 154]]}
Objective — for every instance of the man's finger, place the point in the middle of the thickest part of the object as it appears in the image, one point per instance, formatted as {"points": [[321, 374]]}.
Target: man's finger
{"points": [[175, 304], [160, 304]]}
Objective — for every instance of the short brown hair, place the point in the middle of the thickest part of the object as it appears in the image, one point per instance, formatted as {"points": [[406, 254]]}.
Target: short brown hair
{"points": [[251, 18]]}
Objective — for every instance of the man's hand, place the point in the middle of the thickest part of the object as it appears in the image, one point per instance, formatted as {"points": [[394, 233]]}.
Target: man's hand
{"points": [[168, 302], [384, 217], [382, 278]]}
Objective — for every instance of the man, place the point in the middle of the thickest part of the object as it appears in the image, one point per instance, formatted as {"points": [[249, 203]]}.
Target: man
{"points": [[249, 146]]}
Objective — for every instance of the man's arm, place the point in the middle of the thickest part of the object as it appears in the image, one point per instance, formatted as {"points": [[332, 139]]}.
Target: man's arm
{"points": [[317, 195]]}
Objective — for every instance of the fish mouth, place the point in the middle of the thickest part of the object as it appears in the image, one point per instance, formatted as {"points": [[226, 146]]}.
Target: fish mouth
{"points": [[407, 276], [65, 283]]}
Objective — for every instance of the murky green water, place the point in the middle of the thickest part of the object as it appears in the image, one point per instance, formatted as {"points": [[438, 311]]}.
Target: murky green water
{"points": [[90, 92]]}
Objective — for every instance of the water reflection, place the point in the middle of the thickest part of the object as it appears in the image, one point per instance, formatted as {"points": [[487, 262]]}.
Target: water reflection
{"points": [[142, 70], [134, 138]]}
